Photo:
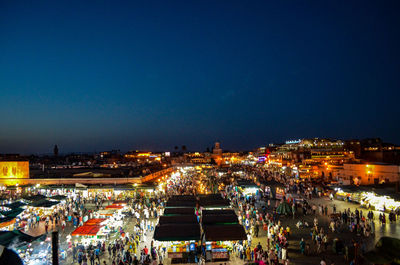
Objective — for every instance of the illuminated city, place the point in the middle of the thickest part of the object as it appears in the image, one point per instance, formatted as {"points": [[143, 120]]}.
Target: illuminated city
{"points": [[199, 132]]}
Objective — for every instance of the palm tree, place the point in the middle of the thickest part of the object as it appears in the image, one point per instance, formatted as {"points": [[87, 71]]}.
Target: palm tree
{"points": [[212, 183]]}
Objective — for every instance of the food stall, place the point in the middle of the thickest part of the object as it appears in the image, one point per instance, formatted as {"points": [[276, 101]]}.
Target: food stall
{"points": [[21, 243], [380, 200], [247, 187], [181, 241], [178, 229], [219, 239], [213, 202]]}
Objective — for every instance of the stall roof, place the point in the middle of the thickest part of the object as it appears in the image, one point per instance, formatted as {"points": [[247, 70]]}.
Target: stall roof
{"points": [[58, 197], [178, 219], [14, 205], [15, 237], [86, 230], [95, 221], [214, 196], [180, 203], [120, 202], [271, 183], [183, 198], [214, 203], [224, 232], [44, 203], [13, 213], [33, 198], [114, 206], [106, 212], [178, 211], [218, 212], [220, 219], [177, 232], [246, 183]]}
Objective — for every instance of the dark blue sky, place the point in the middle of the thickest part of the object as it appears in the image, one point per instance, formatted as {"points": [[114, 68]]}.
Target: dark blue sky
{"points": [[95, 75]]}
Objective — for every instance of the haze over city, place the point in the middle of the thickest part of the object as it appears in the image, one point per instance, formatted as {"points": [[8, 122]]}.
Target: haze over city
{"points": [[155, 74]]}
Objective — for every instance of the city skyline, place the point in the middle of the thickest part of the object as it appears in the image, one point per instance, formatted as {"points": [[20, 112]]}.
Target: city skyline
{"points": [[161, 74]]}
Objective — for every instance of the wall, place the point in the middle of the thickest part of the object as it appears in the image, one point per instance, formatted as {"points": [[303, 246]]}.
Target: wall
{"points": [[367, 174]]}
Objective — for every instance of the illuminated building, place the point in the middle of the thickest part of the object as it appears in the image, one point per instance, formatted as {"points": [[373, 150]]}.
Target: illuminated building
{"points": [[371, 173], [217, 153], [198, 158], [12, 171], [142, 157]]}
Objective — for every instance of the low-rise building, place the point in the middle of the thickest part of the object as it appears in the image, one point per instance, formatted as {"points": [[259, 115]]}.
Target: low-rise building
{"points": [[372, 173]]}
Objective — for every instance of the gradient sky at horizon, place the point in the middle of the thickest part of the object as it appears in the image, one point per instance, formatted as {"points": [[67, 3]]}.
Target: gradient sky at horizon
{"points": [[92, 76]]}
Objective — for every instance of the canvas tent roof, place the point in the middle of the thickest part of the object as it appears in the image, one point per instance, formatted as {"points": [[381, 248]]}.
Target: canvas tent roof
{"points": [[86, 230], [220, 219], [178, 219], [213, 200], [33, 198], [58, 197], [178, 211], [183, 198], [13, 213], [284, 208], [177, 232], [224, 232], [218, 212], [15, 236], [107, 212], [14, 205], [44, 203], [180, 203], [95, 221], [114, 206], [214, 203]]}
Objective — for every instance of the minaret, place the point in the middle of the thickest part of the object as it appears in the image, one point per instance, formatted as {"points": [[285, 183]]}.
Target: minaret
{"points": [[217, 153]]}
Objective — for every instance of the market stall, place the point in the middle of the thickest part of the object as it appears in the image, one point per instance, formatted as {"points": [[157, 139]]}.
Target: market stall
{"points": [[219, 219], [105, 213], [178, 219], [218, 212], [22, 244], [380, 200], [114, 206], [213, 201], [219, 239], [181, 240], [247, 188], [178, 211]]}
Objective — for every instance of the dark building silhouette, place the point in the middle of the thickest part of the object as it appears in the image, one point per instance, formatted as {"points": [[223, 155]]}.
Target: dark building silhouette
{"points": [[55, 150]]}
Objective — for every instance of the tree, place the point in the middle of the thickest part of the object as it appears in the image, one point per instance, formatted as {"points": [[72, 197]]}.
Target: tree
{"points": [[176, 148], [212, 182], [184, 148]]}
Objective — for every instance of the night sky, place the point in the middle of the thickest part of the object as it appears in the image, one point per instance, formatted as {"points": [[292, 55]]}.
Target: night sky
{"points": [[100, 75]]}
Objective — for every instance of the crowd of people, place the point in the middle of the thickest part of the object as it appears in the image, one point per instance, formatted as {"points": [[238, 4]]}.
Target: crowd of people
{"points": [[257, 212]]}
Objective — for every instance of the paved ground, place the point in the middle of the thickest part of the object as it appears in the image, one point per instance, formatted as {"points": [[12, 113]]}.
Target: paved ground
{"points": [[294, 254]]}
